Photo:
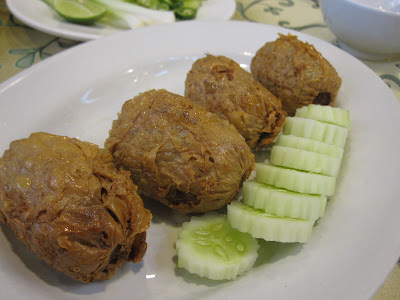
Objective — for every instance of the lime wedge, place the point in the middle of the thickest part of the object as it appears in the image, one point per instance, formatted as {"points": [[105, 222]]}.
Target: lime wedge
{"points": [[79, 11]]}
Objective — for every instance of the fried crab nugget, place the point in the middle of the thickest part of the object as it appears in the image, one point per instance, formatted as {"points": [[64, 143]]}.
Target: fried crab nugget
{"points": [[68, 203], [296, 73], [223, 87], [178, 153]]}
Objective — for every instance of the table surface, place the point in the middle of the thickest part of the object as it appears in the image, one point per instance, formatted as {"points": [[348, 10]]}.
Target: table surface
{"points": [[21, 47]]}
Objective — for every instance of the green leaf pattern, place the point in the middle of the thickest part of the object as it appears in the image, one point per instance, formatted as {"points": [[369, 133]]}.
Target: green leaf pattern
{"points": [[31, 54], [24, 57]]}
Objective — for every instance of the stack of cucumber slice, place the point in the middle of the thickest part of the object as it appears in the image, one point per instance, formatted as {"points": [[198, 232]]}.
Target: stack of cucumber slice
{"points": [[283, 202], [290, 192]]}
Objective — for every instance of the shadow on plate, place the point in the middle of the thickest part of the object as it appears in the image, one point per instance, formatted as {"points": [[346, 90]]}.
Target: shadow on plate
{"points": [[271, 252], [163, 214], [168, 216], [57, 279]]}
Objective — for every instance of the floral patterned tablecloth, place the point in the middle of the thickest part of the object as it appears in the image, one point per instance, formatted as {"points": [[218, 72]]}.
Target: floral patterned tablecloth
{"points": [[21, 47]]}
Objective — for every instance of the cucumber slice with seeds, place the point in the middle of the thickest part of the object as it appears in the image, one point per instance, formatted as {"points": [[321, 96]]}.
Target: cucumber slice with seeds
{"points": [[296, 181], [266, 226], [328, 114], [316, 130], [209, 247], [304, 160], [283, 203], [309, 145]]}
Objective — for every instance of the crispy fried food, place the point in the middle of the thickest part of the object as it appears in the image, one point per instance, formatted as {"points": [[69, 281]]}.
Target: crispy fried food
{"points": [[223, 87], [178, 153], [68, 203], [296, 73]]}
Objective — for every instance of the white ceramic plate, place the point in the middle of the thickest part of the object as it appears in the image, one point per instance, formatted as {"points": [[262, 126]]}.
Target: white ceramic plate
{"points": [[40, 16], [80, 91]]}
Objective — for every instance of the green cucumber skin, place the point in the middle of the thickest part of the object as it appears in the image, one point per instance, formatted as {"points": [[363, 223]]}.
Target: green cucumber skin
{"points": [[283, 203], [315, 130], [304, 160], [296, 181], [309, 145], [333, 115], [209, 247], [268, 227]]}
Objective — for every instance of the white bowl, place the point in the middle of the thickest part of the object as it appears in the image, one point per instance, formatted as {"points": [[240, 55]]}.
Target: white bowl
{"points": [[368, 29]]}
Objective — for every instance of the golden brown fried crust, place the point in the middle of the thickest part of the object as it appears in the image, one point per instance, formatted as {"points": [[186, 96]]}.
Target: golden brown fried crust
{"points": [[223, 87], [296, 73], [68, 203], [178, 153]]}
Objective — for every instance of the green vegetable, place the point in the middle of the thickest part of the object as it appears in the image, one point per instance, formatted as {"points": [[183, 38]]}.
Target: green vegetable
{"points": [[283, 203], [152, 4], [316, 130], [304, 160], [209, 247], [183, 9], [185, 13], [268, 227], [328, 114], [309, 145], [296, 181]]}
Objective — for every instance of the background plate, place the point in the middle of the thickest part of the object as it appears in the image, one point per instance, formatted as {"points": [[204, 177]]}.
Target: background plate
{"points": [[40, 16], [80, 91]]}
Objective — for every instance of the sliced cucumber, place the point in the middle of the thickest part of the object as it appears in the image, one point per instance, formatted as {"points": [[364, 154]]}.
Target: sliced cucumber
{"points": [[309, 145], [266, 226], [316, 130], [208, 246], [296, 181], [324, 113], [283, 203], [304, 160]]}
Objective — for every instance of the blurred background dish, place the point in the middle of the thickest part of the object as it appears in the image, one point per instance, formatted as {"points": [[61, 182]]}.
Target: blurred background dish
{"points": [[38, 15], [368, 29]]}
